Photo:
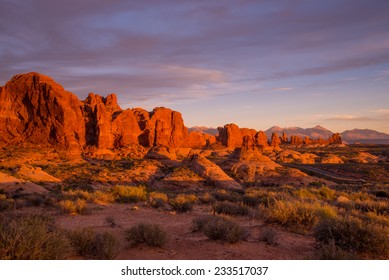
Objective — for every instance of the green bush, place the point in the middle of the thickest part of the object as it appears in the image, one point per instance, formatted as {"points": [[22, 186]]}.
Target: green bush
{"points": [[230, 208], [127, 194], [219, 228], [32, 237], [354, 236], [94, 245], [148, 234]]}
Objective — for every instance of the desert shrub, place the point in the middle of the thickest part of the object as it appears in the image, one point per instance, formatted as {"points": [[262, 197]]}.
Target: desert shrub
{"points": [[297, 216], [230, 208], [183, 202], [81, 194], [326, 212], [127, 194], [219, 228], [304, 193], [327, 193], [199, 223], [94, 245], [380, 193], [379, 207], [253, 197], [111, 222], [223, 195], [73, 207], [315, 184], [148, 234], [354, 236], [207, 198], [32, 237], [380, 219], [360, 196], [270, 236], [157, 199], [332, 252], [252, 201], [35, 200], [7, 204], [102, 198]]}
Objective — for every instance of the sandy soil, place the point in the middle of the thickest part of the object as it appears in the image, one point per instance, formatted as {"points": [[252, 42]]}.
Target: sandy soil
{"points": [[185, 244]]}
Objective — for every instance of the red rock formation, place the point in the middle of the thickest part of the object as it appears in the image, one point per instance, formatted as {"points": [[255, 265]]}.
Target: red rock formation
{"points": [[296, 140], [168, 128], [307, 140], [35, 109], [275, 140], [335, 139], [284, 138], [197, 139], [230, 136], [260, 139]]}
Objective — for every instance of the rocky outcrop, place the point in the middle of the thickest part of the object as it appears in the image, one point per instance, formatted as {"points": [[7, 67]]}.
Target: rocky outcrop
{"points": [[230, 136], [275, 140], [260, 139], [284, 138], [36, 110], [213, 173], [197, 139]]}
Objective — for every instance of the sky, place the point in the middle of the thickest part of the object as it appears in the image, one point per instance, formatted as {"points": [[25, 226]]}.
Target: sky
{"points": [[255, 63]]}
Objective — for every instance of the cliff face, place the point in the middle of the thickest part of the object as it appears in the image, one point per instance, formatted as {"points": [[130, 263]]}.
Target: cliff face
{"points": [[34, 109]]}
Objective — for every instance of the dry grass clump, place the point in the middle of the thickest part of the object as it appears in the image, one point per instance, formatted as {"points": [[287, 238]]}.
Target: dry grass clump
{"points": [[98, 197], [157, 199], [270, 236], [323, 193], [298, 216], [354, 236], [223, 195], [32, 237], [111, 222], [94, 245], [254, 198], [72, 207], [183, 202], [230, 208], [148, 234], [102, 198], [207, 198], [332, 252], [126, 194], [6, 204], [220, 228]]}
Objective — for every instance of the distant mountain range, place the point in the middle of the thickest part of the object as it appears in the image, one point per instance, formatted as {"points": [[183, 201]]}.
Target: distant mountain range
{"points": [[204, 129], [314, 132], [348, 136]]}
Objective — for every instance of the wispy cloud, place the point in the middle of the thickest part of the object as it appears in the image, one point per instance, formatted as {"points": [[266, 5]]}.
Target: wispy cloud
{"points": [[348, 118], [282, 89]]}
